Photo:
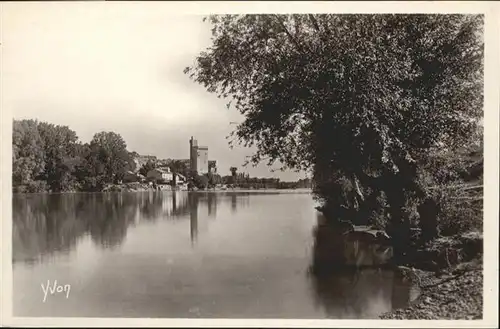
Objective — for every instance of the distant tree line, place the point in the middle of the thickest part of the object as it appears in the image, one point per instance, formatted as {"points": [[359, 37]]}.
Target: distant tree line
{"points": [[50, 158], [211, 180], [243, 180]]}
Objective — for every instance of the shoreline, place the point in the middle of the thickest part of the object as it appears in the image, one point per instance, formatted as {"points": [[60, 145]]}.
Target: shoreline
{"points": [[454, 294], [447, 273], [127, 190], [452, 291]]}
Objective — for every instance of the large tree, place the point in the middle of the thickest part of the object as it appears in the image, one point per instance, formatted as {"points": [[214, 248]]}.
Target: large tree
{"points": [[179, 167], [109, 156], [234, 176], [147, 167], [356, 99], [60, 147], [44, 156], [28, 158]]}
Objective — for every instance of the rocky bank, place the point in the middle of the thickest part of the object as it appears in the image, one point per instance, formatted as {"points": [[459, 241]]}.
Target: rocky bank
{"points": [[450, 291]]}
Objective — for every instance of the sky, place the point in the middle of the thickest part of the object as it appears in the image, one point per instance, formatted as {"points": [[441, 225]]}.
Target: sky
{"points": [[116, 68]]}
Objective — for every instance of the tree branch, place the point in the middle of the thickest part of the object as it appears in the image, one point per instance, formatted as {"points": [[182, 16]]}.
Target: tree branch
{"points": [[290, 36], [314, 22]]}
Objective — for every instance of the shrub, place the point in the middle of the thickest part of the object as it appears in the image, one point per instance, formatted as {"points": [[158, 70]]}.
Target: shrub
{"points": [[460, 211], [201, 181], [36, 186]]}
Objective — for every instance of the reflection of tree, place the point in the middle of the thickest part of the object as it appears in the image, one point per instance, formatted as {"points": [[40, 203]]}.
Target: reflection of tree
{"points": [[348, 292], [239, 199], [400, 296], [151, 206], [245, 200], [193, 215], [234, 203], [212, 204], [332, 292], [48, 223], [111, 218], [44, 224]]}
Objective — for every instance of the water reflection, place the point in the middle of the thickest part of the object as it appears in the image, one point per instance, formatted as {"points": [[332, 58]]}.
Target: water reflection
{"points": [[207, 251], [348, 292], [212, 204], [233, 203], [45, 224]]}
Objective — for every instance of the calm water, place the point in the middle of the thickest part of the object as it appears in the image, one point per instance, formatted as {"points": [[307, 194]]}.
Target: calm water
{"points": [[183, 254]]}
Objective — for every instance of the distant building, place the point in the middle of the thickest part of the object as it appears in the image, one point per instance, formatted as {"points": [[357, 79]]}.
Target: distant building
{"points": [[180, 179], [161, 175], [212, 164], [198, 160]]}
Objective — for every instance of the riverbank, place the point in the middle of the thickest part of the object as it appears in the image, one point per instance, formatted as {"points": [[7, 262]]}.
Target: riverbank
{"points": [[143, 187], [454, 289], [456, 294]]}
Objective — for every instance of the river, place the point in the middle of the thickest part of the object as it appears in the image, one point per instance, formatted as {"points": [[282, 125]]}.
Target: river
{"points": [[183, 255]]}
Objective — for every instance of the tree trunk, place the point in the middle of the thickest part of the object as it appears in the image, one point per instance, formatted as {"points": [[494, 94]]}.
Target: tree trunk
{"points": [[399, 226], [428, 213]]}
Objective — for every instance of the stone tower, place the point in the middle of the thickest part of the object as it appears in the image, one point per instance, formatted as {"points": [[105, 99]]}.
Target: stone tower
{"points": [[198, 157], [193, 145]]}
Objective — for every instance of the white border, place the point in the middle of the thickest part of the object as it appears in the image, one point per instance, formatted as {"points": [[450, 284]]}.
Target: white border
{"points": [[491, 124]]}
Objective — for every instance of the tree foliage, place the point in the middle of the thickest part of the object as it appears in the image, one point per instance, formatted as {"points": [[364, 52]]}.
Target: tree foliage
{"points": [[179, 167], [60, 149], [148, 166], [200, 181], [28, 158], [380, 88], [110, 155], [213, 179], [233, 171], [358, 100], [48, 157]]}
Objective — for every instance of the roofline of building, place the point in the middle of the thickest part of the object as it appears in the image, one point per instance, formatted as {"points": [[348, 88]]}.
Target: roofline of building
{"points": [[161, 170]]}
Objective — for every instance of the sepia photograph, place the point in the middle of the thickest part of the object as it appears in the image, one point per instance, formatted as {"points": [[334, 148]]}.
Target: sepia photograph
{"points": [[247, 165]]}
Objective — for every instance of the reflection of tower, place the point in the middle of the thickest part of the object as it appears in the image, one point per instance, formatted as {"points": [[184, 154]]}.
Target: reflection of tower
{"points": [[193, 148], [174, 202], [198, 157], [193, 214]]}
